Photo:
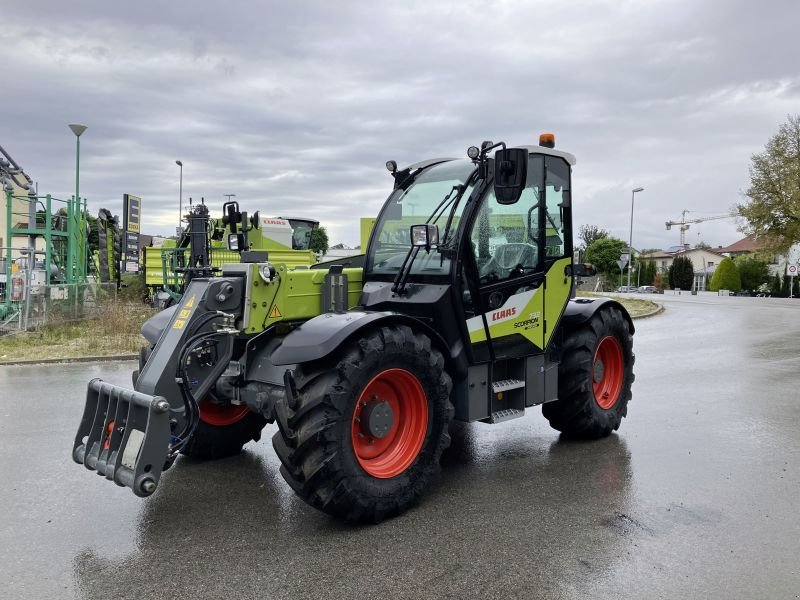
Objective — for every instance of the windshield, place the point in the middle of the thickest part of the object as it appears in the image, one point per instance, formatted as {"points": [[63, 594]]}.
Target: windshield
{"points": [[428, 200], [301, 233]]}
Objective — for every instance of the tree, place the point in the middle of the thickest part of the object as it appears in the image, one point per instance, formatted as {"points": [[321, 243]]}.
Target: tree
{"points": [[785, 286], [319, 240], [648, 272], [658, 281], [754, 273], [604, 254], [726, 277], [589, 234], [772, 209], [775, 286], [681, 273]]}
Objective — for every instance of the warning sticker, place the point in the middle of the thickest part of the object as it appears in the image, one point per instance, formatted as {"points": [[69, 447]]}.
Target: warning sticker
{"points": [[275, 313], [179, 323], [189, 303], [184, 314]]}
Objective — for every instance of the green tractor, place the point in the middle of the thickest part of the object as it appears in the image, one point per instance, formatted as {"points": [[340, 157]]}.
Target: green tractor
{"points": [[463, 309]]}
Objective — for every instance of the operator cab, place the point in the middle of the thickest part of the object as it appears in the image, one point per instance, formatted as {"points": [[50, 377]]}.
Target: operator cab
{"points": [[301, 231], [502, 230]]}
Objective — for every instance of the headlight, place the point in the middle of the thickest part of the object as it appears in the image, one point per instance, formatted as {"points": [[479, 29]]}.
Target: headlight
{"points": [[267, 272]]}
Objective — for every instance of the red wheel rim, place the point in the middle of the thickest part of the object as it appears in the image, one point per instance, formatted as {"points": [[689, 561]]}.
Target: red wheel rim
{"points": [[607, 372], [392, 454], [221, 415]]}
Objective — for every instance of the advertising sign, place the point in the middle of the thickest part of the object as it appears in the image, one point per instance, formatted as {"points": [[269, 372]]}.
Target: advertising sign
{"points": [[131, 220], [132, 213]]}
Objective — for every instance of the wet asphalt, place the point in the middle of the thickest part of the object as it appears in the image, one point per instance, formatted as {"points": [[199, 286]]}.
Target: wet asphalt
{"points": [[697, 496]]}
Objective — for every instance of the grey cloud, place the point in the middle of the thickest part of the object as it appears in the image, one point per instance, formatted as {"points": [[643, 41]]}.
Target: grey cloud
{"points": [[296, 108]]}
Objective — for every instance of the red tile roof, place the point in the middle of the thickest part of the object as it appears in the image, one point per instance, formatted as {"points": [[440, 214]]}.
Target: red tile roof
{"points": [[747, 244]]}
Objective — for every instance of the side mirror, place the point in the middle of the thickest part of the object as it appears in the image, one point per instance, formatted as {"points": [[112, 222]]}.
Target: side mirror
{"points": [[510, 174], [231, 215], [236, 242], [424, 236]]}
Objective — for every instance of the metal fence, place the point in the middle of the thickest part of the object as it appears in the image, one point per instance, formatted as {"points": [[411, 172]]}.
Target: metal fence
{"points": [[24, 305]]}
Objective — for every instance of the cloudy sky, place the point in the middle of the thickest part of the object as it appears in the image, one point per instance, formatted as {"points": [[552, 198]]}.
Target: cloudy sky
{"points": [[295, 107]]}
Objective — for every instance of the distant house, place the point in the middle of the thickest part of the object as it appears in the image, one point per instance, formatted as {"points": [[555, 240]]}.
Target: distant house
{"points": [[745, 246], [704, 261]]}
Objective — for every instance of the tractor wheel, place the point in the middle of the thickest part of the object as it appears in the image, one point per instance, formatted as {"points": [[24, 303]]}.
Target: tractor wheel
{"points": [[364, 438], [223, 430], [594, 378]]}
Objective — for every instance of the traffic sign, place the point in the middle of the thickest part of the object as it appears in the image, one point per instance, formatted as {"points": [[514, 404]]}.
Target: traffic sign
{"points": [[793, 270], [621, 264]]}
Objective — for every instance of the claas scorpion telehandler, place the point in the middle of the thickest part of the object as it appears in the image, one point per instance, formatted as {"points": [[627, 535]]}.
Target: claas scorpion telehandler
{"points": [[463, 309]]}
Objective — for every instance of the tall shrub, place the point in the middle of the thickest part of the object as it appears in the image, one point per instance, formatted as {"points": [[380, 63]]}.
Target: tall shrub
{"points": [[726, 277]]}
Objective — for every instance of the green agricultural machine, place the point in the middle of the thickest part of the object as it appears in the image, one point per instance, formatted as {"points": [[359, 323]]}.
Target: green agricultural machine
{"points": [[170, 267], [463, 310]]}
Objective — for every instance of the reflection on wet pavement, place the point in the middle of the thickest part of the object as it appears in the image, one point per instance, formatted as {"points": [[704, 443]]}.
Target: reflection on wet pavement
{"points": [[694, 497]]}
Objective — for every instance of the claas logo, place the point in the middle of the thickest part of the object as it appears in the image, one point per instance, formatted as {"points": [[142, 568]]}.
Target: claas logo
{"points": [[502, 314]]}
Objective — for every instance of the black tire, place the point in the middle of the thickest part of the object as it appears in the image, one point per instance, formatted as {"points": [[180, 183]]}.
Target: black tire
{"points": [[316, 440], [210, 442], [577, 412]]}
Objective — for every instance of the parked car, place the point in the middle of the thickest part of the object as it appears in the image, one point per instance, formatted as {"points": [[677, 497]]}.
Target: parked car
{"points": [[648, 289], [627, 289]]}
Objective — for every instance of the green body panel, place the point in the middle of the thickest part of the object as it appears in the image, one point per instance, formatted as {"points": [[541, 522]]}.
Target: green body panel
{"points": [[159, 263], [292, 295], [558, 291], [533, 314]]}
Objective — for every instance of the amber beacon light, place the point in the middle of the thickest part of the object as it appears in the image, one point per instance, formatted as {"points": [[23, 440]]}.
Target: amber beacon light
{"points": [[548, 140]]}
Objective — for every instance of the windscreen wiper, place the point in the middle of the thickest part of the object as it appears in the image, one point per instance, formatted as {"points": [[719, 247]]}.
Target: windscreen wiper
{"points": [[405, 269]]}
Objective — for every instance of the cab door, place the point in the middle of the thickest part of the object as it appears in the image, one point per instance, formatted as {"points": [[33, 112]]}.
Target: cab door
{"points": [[518, 259], [505, 265]]}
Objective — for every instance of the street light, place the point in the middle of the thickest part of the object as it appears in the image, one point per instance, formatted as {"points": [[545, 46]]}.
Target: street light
{"points": [[229, 196], [78, 130], [180, 198], [630, 239]]}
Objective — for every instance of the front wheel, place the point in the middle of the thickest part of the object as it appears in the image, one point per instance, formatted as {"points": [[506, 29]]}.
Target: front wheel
{"points": [[223, 430], [369, 425], [594, 377]]}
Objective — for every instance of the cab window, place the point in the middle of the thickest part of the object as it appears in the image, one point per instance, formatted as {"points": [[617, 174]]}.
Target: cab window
{"points": [[505, 237]]}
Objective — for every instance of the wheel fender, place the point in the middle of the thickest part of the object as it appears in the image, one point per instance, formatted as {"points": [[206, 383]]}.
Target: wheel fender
{"points": [[321, 336], [155, 325], [580, 310]]}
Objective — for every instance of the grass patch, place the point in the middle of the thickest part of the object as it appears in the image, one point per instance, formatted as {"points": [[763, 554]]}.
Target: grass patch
{"points": [[114, 331], [636, 307]]}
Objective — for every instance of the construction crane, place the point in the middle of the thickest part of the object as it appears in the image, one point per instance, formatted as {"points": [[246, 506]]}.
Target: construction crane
{"points": [[684, 224]]}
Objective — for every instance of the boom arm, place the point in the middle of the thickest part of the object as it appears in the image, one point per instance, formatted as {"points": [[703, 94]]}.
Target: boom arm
{"points": [[684, 224]]}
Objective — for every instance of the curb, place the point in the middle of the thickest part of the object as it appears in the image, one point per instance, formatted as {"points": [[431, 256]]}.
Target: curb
{"points": [[656, 311], [80, 359]]}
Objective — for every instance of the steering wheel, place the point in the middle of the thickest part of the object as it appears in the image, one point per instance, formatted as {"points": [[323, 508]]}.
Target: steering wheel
{"points": [[510, 256]]}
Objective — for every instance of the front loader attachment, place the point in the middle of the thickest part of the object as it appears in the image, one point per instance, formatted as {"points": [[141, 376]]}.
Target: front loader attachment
{"points": [[124, 435]]}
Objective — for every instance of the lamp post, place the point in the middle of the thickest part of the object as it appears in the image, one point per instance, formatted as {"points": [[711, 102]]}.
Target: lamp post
{"points": [[72, 239], [77, 129], [630, 238], [229, 196], [180, 198]]}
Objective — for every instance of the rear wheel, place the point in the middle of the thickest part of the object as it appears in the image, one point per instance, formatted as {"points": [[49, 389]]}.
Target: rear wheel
{"points": [[594, 378], [369, 425]]}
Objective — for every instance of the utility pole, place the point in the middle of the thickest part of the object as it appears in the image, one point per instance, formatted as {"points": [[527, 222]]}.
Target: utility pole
{"points": [[180, 200], [630, 239]]}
